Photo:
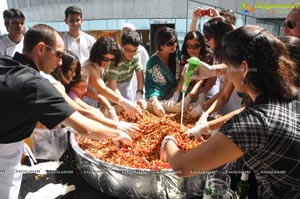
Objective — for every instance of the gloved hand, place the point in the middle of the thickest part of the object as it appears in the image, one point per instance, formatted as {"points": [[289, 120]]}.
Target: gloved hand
{"points": [[157, 107], [163, 154], [196, 111], [138, 97], [112, 114], [123, 138], [127, 127], [50, 191], [187, 101], [204, 71], [174, 99], [200, 127], [132, 109], [201, 98]]}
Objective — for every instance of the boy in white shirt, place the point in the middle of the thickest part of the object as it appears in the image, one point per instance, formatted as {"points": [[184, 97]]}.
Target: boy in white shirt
{"points": [[75, 40]]}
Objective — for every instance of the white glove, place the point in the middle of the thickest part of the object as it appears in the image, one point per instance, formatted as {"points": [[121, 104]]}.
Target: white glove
{"points": [[163, 154], [50, 191], [187, 101], [112, 114], [200, 127], [204, 71], [201, 98], [127, 127], [157, 107], [196, 111], [174, 99], [132, 109], [138, 97], [123, 138]]}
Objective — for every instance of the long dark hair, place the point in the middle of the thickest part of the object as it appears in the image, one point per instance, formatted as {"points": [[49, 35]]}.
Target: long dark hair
{"points": [[162, 36], [270, 70], [216, 28], [103, 46], [67, 59]]}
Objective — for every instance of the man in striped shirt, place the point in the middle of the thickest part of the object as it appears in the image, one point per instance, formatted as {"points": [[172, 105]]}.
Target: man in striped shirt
{"points": [[119, 74]]}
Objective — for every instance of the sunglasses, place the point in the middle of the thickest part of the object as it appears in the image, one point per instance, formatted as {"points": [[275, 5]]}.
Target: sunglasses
{"points": [[171, 43], [192, 46], [106, 59], [289, 24], [58, 53]]}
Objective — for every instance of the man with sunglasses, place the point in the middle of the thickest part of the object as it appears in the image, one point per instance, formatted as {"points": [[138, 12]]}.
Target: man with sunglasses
{"points": [[27, 97], [14, 21], [77, 41], [292, 22]]}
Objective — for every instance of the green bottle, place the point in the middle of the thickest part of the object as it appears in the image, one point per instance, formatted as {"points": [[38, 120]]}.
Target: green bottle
{"points": [[194, 62], [207, 193], [242, 187]]}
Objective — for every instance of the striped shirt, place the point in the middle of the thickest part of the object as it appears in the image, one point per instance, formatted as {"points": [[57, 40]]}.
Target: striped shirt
{"points": [[268, 132], [123, 71]]}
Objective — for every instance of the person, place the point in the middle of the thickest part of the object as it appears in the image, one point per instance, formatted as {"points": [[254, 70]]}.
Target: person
{"points": [[76, 40], [119, 75], [104, 51], [14, 21], [163, 73], [199, 12], [265, 133], [144, 57], [292, 22], [194, 46], [68, 74], [35, 99]]}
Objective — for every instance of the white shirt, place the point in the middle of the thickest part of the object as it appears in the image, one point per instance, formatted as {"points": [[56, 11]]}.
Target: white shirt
{"points": [[8, 47], [81, 49]]}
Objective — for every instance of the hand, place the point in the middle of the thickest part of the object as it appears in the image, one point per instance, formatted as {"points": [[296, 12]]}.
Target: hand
{"points": [[112, 114], [163, 154], [187, 101], [200, 127], [174, 99], [204, 71], [51, 191], [142, 103], [138, 97], [127, 127], [157, 107], [196, 111], [132, 109], [123, 138], [201, 98]]}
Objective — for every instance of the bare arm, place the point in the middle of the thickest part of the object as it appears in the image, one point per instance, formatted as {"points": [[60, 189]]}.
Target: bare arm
{"points": [[140, 79], [112, 84], [215, 152]]}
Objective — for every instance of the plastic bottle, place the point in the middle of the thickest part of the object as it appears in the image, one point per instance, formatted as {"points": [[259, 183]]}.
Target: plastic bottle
{"points": [[207, 193], [242, 187], [194, 62]]}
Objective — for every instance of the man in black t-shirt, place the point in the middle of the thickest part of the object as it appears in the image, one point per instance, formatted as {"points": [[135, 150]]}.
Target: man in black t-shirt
{"points": [[27, 97]]}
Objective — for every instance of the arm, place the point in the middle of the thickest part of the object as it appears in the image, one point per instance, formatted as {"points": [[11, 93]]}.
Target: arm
{"points": [[112, 84], [95, 130], [140, 79], [222, 97], [215, 152]]}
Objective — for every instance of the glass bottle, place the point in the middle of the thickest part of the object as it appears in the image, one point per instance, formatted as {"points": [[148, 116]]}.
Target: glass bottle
{"points": [[242, 187], [207, 193]]}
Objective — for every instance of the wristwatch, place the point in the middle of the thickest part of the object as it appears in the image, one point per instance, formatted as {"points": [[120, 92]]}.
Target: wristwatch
{"points": [[140, 91]]}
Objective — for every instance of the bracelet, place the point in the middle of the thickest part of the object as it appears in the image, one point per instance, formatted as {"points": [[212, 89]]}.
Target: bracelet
{"points": [[166, 139], [140, 91]]}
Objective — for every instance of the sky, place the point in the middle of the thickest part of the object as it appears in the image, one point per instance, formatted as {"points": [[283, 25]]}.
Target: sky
{"points": [[3, 6]]}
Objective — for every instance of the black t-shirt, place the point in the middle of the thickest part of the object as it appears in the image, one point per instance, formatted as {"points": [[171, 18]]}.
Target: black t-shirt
{"points": [[26, 98]]}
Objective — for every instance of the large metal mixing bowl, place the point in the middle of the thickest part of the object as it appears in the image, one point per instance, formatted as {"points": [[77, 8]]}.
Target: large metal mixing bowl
{"points": [[126, 182]]}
